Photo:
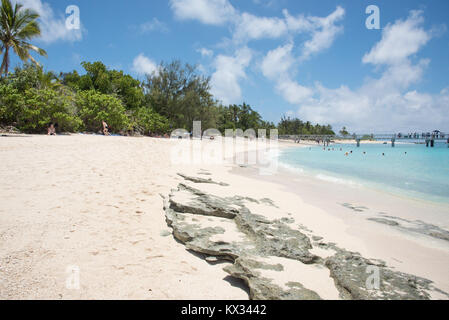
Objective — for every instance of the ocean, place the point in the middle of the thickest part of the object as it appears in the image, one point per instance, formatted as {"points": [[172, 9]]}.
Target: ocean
{"points": [[408, 169]]}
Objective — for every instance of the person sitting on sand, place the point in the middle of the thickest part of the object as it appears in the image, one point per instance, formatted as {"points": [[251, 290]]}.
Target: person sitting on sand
{"points": [[51, 131], [105, 129]]}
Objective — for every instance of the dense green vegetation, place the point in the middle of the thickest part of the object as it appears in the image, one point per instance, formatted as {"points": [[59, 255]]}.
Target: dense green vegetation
{"points": [[344, 132], [171, 98], [289, 126], [241, 117]]}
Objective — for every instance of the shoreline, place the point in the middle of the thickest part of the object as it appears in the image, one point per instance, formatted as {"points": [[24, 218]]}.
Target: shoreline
{"points": [[363, 222], [97, 203], [333, 177], [370, 232]]}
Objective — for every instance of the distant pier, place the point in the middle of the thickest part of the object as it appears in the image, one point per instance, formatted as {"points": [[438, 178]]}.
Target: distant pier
{"points": [[429, 139]]}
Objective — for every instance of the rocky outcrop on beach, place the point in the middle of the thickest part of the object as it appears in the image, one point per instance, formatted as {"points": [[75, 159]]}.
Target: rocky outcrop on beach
{"points": [[408, 226], [351, 274], [273, 256], [417, 226], [202, 180]]}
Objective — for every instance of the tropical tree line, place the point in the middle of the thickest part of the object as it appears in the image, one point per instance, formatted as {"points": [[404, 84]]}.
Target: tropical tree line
{"points": [[295, 126], [172, 97]]}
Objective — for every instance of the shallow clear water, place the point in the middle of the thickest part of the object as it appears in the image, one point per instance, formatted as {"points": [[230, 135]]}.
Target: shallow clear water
{"points": [[408, 169]]}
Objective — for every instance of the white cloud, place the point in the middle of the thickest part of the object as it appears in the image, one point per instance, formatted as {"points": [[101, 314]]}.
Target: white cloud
{"points": [[212, 12], [399, 41], [252, 27], [278, 62], [382, 103], [205, 52], [293, 92], [324, 32], [398, 77], [247, 26], [299, 23], [144, 65], [277, 66], [385, 104], [153, 25], [229, 70], [265, 3], [364, 113], [53, 27]]}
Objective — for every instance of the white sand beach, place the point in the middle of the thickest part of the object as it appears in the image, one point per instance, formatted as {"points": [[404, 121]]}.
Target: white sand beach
{"points": [[96, 203]]}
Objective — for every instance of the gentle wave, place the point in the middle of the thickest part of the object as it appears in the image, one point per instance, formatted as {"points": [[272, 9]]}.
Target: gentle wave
{"points": [[411, 170], [333, 179], [320, 176], [291, 168]]}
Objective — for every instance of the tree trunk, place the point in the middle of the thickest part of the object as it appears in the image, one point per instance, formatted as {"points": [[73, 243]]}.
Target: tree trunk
{"points": [[5, 64]]}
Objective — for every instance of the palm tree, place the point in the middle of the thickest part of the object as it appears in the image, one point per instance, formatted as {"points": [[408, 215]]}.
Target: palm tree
{"points": [[17, 26]]}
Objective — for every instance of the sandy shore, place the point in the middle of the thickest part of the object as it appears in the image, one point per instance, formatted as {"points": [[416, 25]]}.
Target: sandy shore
{"points": [[93, 204]]}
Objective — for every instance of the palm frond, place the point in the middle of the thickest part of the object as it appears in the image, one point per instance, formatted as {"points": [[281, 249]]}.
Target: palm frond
{"points": [[17, 26]]}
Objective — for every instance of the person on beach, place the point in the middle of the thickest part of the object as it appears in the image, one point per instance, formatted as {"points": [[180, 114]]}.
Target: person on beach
{"points": [[51, 130], [105, 128]]}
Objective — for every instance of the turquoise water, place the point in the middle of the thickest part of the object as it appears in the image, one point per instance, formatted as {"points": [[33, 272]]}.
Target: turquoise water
{"points": [[408, 169]]}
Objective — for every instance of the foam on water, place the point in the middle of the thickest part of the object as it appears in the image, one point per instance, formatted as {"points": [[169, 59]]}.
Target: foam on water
{"points": [[408, 169]]}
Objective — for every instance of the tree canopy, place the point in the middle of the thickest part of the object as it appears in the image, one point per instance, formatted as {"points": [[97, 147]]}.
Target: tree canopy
{"points": [[181, 95], [171, 98], [295, 126]]}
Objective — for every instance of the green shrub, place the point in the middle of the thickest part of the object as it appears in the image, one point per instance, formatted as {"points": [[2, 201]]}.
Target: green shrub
{"points": [[44, 106], [11, 104], [149, 121], [94, 107]]}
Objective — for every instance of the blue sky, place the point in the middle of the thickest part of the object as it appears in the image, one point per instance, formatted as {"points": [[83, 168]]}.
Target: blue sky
{"points": [[311, 59]]}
